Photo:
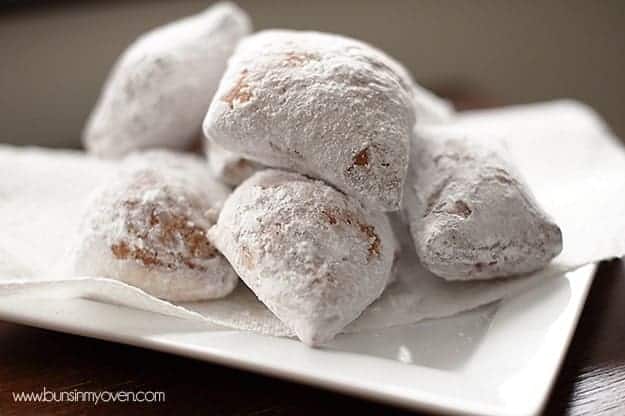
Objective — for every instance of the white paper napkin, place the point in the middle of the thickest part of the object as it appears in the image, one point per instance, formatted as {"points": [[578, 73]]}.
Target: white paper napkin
{"points": [[572, 163]]}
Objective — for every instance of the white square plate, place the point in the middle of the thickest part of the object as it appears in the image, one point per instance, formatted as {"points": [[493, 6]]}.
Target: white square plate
{"points": [[500, 359]]}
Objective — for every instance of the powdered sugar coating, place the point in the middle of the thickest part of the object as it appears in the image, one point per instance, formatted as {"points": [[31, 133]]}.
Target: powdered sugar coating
{"points": [[314, 256], [148, 228], [229, 167], [471, 215], [320, 104], [160, 88]]}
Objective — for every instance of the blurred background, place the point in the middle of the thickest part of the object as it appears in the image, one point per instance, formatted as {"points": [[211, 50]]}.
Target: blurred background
{"points": [[55, 55]]}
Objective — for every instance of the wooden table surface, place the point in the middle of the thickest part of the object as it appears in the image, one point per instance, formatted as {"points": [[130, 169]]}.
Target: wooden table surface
{"points": [[592, 381]]}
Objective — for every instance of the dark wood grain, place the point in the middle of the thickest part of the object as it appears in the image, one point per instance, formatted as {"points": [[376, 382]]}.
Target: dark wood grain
{"points": [[592, 380]]}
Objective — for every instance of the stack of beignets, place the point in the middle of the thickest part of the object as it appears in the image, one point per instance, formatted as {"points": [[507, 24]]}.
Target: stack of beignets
{"points": [[321, 136]]}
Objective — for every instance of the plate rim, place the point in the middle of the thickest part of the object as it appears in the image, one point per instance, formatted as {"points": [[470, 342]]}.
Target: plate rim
{"points": [[431, 404]]}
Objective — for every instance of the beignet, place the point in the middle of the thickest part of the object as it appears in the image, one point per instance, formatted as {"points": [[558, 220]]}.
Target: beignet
{"points": [[148, 227], [323, 105], [314, 256], [158, 91], [470, 213]]}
